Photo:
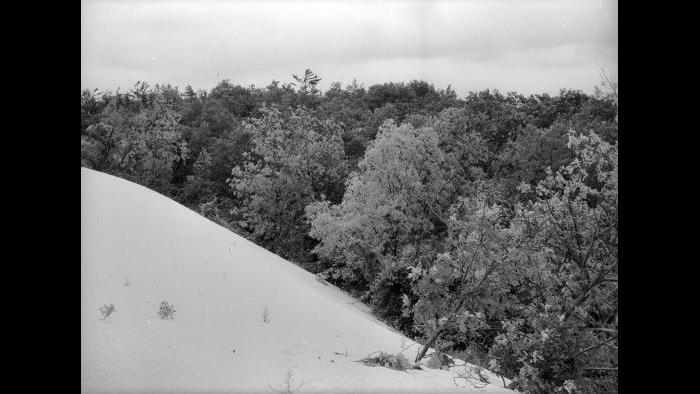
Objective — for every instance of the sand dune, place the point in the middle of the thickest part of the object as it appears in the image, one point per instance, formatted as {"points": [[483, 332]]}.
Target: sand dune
{"points": [[139, 248]]}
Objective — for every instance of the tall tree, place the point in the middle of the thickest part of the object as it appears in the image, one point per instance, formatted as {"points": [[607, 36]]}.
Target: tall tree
{"points": [[142, 147], [296, 159], [393, 210]]}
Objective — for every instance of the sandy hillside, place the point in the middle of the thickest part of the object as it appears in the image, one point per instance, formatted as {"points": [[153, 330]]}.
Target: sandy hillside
{"points": [[140, 248]]}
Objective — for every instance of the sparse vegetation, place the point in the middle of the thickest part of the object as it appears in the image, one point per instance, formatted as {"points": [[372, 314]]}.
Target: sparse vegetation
{"points": [[288, 387], [266, 315], [166, 311], [106, 310], [397, 361], [489, 221]]}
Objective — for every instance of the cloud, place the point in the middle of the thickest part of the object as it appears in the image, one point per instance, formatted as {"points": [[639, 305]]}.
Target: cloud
{"points": [[196, 40]]}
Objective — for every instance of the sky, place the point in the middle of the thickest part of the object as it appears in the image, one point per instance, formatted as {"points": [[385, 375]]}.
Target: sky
{"points": [[529, 47]]}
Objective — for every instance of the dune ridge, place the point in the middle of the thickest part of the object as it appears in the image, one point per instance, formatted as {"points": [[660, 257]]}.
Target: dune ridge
{"points": [[139, 248]]}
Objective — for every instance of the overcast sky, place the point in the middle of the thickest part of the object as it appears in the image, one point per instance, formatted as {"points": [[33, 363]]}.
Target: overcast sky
{"points": [[510, 45]]}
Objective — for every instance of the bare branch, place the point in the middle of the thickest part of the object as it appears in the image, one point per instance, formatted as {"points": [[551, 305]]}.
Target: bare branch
{"points": [[593, 347]]}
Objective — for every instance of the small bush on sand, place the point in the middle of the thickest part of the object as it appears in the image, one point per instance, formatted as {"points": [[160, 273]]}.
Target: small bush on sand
{"points": [[107, 310], [166, 310], [266, 315], [289, 386], [397, 361]]}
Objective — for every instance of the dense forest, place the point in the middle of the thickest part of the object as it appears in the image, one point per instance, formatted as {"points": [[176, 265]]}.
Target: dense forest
{"points": [[482, 226]]}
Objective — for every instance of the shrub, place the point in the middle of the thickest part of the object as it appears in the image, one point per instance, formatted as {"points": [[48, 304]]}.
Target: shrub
{"points": [[166, 310], [288, 386], [266, 315], [397, 361], [107, 310]]}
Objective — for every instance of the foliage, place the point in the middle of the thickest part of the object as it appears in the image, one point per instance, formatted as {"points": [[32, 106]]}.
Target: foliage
{"points": [[482, 225], [295, 159], [393, 210], [462, 284], [466, 150], [527, 158], [567, 267], [496, 117], [307, 83], [142, 147], [211, 211], [238, 101], [550, 277], [415, 97]]}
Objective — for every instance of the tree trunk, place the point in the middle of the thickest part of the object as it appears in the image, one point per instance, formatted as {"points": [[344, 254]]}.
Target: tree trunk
{"points": [[428, 344], [439, 330]]}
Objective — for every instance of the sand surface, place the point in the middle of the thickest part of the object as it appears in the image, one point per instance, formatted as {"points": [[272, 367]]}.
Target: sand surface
{"points": [[139, 248]]}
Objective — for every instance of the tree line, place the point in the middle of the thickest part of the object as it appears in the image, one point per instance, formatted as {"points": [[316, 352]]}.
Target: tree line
{"points": [[483, 226]]}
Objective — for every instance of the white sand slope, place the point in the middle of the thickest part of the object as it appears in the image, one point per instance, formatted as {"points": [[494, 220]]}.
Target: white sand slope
{"points": [[219, 284]]}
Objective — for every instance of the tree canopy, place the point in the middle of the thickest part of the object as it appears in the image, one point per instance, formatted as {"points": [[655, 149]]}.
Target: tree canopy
{"points": [[484, 226]]}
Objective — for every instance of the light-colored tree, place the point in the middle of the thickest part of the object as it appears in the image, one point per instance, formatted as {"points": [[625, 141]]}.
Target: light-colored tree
{"points": [[141, 147], [392, 217], [296, 159]]}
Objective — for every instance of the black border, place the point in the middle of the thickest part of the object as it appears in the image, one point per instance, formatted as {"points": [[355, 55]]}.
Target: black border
{"points": [[42, 187]]}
